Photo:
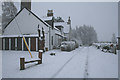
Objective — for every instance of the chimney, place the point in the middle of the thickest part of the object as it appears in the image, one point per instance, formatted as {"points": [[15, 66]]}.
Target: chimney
{"points": [[26, 4], [50, 13], [69, 21]]}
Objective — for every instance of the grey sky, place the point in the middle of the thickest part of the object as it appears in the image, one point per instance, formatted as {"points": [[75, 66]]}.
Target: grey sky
{"points": [[103, 16]]}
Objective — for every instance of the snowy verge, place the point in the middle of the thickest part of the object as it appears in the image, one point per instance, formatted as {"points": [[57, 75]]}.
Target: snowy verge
{"points": [[0, 64], [62, 65]]}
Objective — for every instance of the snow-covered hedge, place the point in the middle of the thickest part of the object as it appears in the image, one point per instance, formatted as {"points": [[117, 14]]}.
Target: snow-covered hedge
{"points": [[106, 47]]}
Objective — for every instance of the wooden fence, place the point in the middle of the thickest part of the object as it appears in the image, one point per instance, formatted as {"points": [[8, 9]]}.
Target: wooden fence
{"points": [[23, 62]]}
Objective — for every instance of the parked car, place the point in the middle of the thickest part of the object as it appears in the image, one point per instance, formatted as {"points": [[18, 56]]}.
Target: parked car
{"points": [[68, 45], [76, 44]]}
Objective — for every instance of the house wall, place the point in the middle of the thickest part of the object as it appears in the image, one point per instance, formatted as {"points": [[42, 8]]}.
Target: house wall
{"points": [[17, 43], [51, 33], [47, 41], [26, 23], [67, 36], [56, 40], [57, 37], [119, 26], [119, 38], [119, 19]]}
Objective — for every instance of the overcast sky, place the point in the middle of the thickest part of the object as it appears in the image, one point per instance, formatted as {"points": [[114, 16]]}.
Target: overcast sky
{"points": [[103, 16]]}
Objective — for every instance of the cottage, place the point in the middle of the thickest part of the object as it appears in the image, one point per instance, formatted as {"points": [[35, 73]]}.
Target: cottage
{"points": [[118, 46], [26, 24], [59, 31]]}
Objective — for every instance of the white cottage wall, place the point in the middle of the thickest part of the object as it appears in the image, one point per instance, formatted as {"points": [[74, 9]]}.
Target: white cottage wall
{"points": [[119, 36], [51, 33], [27, 23], [47, 40]]}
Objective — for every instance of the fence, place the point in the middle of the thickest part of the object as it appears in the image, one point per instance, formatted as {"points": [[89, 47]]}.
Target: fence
{"points": [[23, 62]]}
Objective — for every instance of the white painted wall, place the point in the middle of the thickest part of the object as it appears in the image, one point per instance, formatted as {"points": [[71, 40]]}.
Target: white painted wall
{"points": [[47, 40], [50, 38], [119, 19], [26, 23], [56, 40], [119, 36], [67, 35]]}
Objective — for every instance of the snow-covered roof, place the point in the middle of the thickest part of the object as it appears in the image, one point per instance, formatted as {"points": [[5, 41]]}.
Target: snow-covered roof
{"points": [[33, 35], [68, 42], [58, 19], [56, 29], [62, 24], [45, 18], [58, 32], [30, 12]]}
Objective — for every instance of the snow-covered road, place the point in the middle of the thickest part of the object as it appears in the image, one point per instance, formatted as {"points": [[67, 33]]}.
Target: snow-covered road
{"points": [[83, 62]]}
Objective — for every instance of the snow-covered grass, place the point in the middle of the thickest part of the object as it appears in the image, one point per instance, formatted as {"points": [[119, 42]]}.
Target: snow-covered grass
{"points": [[62, 65], [0, 64], [51, 64], [102, 64]]}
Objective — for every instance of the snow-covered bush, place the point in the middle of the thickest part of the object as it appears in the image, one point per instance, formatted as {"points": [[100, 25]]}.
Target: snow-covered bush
{"points": [[106, 47]]}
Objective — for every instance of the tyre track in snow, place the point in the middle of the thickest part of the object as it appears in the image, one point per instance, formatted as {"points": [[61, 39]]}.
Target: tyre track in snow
{"points": [[86, 66], [66, 63]]}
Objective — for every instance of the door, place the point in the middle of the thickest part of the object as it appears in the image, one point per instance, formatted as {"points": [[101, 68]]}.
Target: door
{"points": [[33, 44], [6, 43], [19, 43], [12, 43]]}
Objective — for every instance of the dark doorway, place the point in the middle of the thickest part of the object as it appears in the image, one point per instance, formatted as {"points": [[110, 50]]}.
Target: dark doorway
{"points": [[19, 43], [6, 43], [33, 44], [12, 43]]}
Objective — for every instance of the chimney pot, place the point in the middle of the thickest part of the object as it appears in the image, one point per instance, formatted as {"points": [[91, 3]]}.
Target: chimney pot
{"points": [[50, 13], [26, 4]]}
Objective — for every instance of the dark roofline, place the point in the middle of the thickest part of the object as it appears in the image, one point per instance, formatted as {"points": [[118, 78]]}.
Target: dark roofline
{"points": [[30, 12], [13, 18], [59, 35], [38, 17], [59, 26]]}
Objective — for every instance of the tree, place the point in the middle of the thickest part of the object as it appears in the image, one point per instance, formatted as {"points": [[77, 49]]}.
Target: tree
{"points": [[9, 11], [86, 34], [114, 38]]}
